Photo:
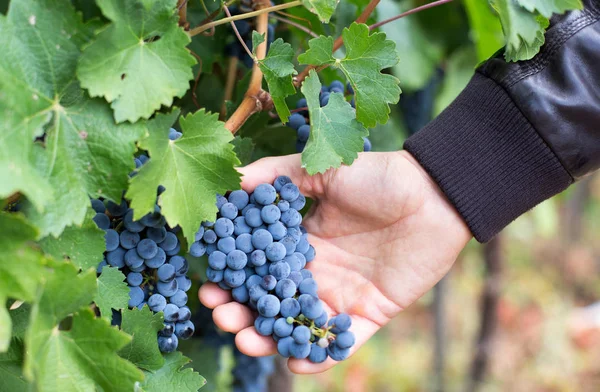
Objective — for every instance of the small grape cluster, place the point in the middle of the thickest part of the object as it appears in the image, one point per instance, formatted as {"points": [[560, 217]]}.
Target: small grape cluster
{"points": [[251, 374], [245, 28], [300, 121], [258, 249], [147, 252]]}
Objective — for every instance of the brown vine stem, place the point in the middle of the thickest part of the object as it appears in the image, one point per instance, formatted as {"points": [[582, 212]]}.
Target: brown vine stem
{"points": [[199, 29], [182, 7], [255, 99], [409, 12], [362, 18]]}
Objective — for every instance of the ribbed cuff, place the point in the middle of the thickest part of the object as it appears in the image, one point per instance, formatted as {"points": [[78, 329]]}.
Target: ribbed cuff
{"points": [[487, 158]]}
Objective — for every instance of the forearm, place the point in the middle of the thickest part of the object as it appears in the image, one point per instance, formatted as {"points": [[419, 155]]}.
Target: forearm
{"points": [[519, 133]]}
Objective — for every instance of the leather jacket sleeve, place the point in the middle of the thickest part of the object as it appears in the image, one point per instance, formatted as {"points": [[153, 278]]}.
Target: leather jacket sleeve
{"points": [[520, 132]]}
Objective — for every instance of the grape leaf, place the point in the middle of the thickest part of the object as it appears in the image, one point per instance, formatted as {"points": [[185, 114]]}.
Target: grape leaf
{"points": [[140, 61], [11, 362], [549, 7], [83, 245], [173, 376], [324, 9], [244, 148], [278, 70], [366, 56], [112, 293], [21, 268], [335, 135], [486, 30], [83, 357], [523, 30], [142, 325], [193, 169]]}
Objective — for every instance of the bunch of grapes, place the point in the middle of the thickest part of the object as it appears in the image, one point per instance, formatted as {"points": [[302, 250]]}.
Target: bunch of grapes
{"points": [[258, 249], [245, 28], [147, 252], [300, 121]]}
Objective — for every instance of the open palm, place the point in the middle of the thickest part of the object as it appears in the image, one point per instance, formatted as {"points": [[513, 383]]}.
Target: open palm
{"points": [[384, 235]]}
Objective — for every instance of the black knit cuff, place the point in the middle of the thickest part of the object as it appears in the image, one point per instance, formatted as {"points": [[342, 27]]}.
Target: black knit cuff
{"points": [[487, 158]]}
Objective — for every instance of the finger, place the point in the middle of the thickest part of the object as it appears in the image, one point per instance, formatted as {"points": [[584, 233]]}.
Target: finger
{"points": [[233, 317], [212, 295], [362, 329], [249, 342], [266, 170]]}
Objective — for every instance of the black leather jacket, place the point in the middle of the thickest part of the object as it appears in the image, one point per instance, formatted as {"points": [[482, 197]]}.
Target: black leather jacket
{"points": [[520, 132]]}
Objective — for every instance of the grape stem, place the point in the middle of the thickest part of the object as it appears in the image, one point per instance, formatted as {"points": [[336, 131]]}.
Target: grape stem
{"points": [[199, 29], [182, 8]]}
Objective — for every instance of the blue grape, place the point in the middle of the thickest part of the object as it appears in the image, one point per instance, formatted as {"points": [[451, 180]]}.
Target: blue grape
{"points": [[234, 278], [324, 100], [198, 235], [308, 286], [283, 206], [268, 282], [258, 258], [167, 289], [280, 270], [301, 334], [296, 277], [299, 351], [159, 259], [300, 146], [180, 264], [239, 198], [275, 252], [290, 308], [310, 254], [281, 181], [302, 245], [285, 288], [264, 325], [249, 206], [294, 262], [256, 292], [136, 296], [171, 312], [296, 233], [342, 322], [147, 248], [229, 211], [311, 306], [317, 354], [284, 345], [166, 273], [240, 294], [270, 214], [299, 203], [345, 339], [102, 221], [337, 85], [117, 210], [220, 201], [214, 275], [156, 234], [141, 268], [134, 279], [277, 230], [98, 206], [157, 303], [240, 226], [243, 242], [265, 194], [184, 313], [237, 259], [253, 280], [198, 249], [291, 218], [128, 239], [261, 239], [226, 245], [289, 243], [301, 104], [281, 328], [210, 237], [306, 274], [180, 298], [223, 227], [289, 192], [152, 219], [321, 320], [169, 243], [143, 158], [336, 353], [167, 344], [174, 251], [184, 283], [303, 133], [217, 260], [366, 145], [168, 329], [130, 224], [101, 265], [295, 121], [184, 330], [253, 218], [111, 238], [116, 257], [268, 305]]}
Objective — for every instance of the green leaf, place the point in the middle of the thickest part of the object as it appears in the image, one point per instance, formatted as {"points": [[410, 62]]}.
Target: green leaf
{"points": [[112, 293], [486, 29], [83, 245], [366, 56], [244, 148], [140, 61], [193, 169], [142, 325], [11, 362], [83, 357], [278, 70], [324, 9], [257, 39], [335, 135], [21, 268], [523, 30], [173, 376], [549, 7]]}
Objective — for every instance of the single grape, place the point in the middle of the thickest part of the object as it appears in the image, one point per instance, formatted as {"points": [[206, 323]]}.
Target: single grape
{"points": [[237, 259], [258, 258], [253, 218], [214, 275], [184, 313], [306, 274], [167, 344], [243, 242], [310, 254], [294, 262], [167, 289], [217, 260], [101, 265], [366, 145], [210, 237], [336, 84], [299, 203], [264, 325], [295, 121], [226, 245], [302, 246], [317, 354], [198, 235], [265, 194], [289, 243], [111, 238], [342, 322], [116, 257], [158, 259], [321, 320], [311, 306], [277, 230], [283, 206], [229, 211], [299, 351], [308, 286], [268, 282], [336, 353], [147, 248], [270, 214], [168, 329], [174, 251], [261, 238], [184, 330], [198, 249], [136, 296], [281, 180], [324, 100], [289, 192], [303, 133], [131, 225], [275, 252], [98, 206], [301, 334], [166, 273], [184, 283], [284, 345], [234, 278], [280, 270], [290, 308], [296, 277], [156, 234], [268, 305], [256, 292], [170, 242], [117, 210], [171, 312], [240, 226], [180, 264], [102, 221], [180, 298], [239, 198], [253, 280], [291, 218], [285, 289], [281, 328], [223, 227], [345, 339], [134, 279], [129, 240], [220, 201]]}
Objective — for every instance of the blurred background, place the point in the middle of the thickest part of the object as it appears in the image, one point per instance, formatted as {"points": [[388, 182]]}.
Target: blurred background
{"points": [[520, 313]]}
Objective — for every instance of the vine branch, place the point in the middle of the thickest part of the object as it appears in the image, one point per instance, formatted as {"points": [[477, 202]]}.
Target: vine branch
{"points": [[182, 7], [296, 25]]}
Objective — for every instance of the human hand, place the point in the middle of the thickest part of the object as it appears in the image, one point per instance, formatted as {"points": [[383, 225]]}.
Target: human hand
{"points": [[384, 235]]}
